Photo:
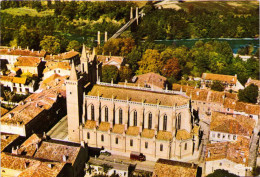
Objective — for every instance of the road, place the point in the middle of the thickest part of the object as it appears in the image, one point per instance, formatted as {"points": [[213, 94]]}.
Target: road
{"points": [[60, 130]]}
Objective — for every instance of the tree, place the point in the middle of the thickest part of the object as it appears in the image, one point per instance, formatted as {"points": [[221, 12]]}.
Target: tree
{"points": [[109, 72], [217, 86], [74, 45], [50, 44], [218, 173], [150, 62], [171, 68], [249, 94], [133, 57], [125, 73]]}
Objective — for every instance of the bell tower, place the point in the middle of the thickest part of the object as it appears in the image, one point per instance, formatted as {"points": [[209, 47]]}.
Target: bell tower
{"points": [[84, 60], [74, 92]]}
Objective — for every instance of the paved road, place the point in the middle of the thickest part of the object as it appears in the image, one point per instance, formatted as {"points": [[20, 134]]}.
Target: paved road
{"points": [[60, 130], [145, 165]]}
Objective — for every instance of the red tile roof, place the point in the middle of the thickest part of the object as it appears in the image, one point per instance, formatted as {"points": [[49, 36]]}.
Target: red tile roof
{"points": [[220, 77], [25, 52], [62, 56], [27, 61], [50, 65], [151, 79]]}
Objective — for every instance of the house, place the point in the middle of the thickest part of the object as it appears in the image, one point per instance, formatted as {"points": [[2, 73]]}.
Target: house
{"points": [[3, 111], [67, 57], [54, 81], [37, 113], [31, 65], [96, 166], [39, 147], [170, 168], [17, 165], [19, 85], [230, 127], [12, 54], [111, 60], [150, 80], [60, 68], [255, 82], [230, 82], [8, 140], [230, 156]]}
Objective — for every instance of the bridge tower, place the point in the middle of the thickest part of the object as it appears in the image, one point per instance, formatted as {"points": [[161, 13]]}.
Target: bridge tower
{"points": [[136, 15], [98, 38], [131, 13], [105, 36]]}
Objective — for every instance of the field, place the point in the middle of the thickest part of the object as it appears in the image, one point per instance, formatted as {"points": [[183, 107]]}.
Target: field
{"points": [[27, 11], [235, 6]]}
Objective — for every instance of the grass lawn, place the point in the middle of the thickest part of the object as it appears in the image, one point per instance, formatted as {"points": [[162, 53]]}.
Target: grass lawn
{"points": [[27, 11]]}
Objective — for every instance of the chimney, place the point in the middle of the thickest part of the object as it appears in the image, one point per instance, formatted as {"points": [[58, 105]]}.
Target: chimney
{"points": [[37, 146], [15, 151], [13, 47], [64, 158], [105, 36], [10, 115], [44, 136], [32, 50], [192, 164], [209, 153], [82, 143], [98, 37], [50, 165], [27, 48], [26, 164]]}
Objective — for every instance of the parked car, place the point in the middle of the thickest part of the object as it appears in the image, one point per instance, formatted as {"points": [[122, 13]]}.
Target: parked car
{"points": [[137, 156], [104, 152]]}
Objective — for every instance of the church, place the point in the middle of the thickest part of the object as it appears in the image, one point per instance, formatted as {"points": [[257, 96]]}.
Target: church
{"points": [[122, 119]]}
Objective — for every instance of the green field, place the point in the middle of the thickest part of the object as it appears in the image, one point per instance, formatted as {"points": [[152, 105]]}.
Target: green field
{"points": [[233, 6], [27, 11]]}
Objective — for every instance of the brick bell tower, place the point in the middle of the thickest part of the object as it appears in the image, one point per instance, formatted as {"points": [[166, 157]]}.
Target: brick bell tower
{"points": [[74, 98]]}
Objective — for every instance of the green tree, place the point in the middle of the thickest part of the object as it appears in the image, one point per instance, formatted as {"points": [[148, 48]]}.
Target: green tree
{"points": [[217, 86], [51, 44], [125, 73], [109, 72], [150, 62], [221, 173], [249, 94], [133, 57], [74, 45]]}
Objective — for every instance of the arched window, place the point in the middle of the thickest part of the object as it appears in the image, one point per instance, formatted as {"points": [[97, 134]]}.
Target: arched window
{"points": [[92, 112], [146, 145], [106, 114], [102, 137], [131, 142], [120, 116], [135, 118], [116, 140], [185, 146], [165, 122], [161, 147], [150, 119], [179, 121], [88, 135]]}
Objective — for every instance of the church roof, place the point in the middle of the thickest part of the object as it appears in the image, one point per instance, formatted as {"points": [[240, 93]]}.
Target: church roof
{"points": [[138, 95]]}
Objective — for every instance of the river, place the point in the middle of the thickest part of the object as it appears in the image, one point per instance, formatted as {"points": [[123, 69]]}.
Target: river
{"points": [[234, 43]]}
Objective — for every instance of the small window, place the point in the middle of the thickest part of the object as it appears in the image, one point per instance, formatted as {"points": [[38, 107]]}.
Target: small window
{"points": [[146, 145], [131, 142], [88, 135], [161, 147], [58, 71], [102, 137], [223, 136], [228, 136], [218, 135], [213, 135], [116, 140], [70, 93], [3, 171], [185, 146], [234, 137], [220, 164]]}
